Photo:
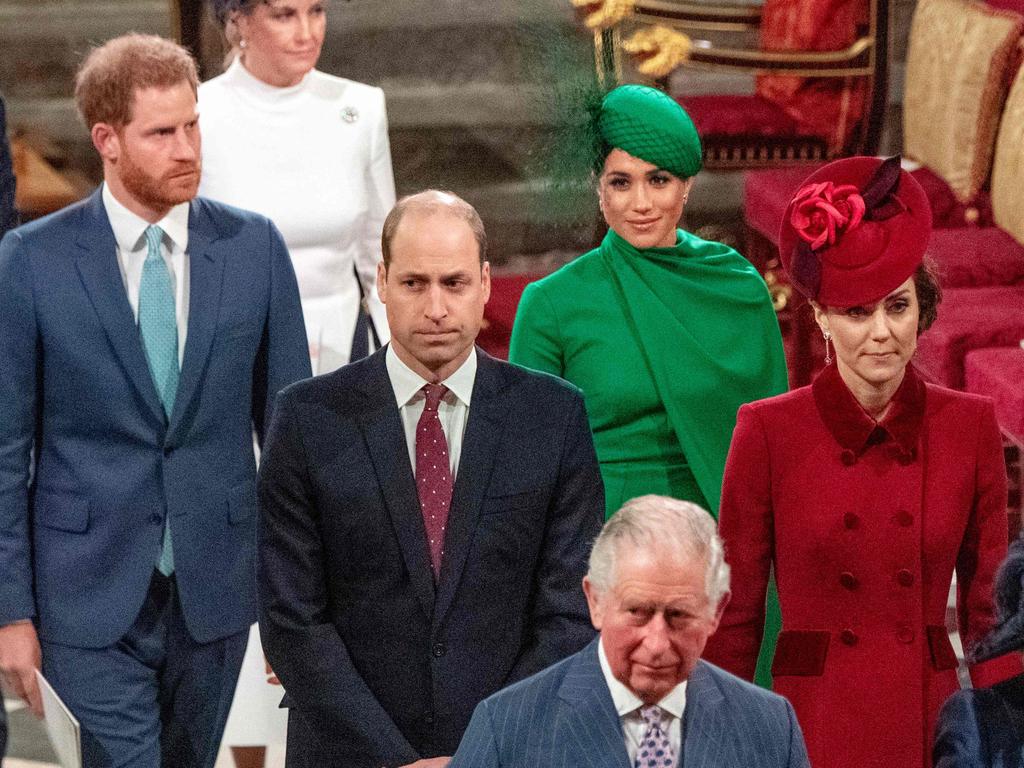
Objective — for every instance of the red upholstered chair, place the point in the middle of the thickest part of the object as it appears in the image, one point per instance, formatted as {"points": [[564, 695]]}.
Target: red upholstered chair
{"points": [[998, 373], [969, 319], [820, 69], [500, 312]]}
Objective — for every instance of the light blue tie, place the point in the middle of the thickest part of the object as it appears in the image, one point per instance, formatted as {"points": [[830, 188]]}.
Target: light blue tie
{"points": [[159, 328]]}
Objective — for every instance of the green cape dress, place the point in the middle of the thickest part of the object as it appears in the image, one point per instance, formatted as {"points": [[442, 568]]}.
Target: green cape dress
{"points": [[666, 344]]}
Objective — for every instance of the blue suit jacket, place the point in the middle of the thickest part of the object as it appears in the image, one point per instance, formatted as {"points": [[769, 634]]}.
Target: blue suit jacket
{"points": [[564, 718], [381, 665], [982, 728], [78, 543]]}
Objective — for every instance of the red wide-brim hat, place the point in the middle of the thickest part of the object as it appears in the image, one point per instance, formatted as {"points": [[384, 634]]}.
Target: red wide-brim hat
{"points": [[855, 230]]}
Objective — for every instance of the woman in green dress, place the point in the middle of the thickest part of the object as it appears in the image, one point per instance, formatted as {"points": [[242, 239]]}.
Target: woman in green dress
{"points": [[666, 334]]}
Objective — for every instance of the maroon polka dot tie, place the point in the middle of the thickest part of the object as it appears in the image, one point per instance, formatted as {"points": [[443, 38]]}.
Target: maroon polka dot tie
{"points": [[433, 475]]}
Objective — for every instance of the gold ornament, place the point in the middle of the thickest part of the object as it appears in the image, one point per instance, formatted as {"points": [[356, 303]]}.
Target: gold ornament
{"points": [[658, 50], [604, 14]]}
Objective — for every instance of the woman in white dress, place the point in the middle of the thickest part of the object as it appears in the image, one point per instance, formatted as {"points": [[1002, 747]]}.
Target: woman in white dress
{"points": [[310, 151]]}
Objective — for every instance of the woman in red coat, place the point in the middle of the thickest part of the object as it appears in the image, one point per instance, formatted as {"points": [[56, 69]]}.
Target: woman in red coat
{"points": [[864, 490]]}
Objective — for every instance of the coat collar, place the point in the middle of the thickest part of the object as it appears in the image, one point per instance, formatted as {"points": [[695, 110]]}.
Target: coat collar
{"points": [[856, 431]]}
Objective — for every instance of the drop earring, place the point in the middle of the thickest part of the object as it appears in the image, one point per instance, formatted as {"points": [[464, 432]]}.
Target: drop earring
{"points": [[828, 353]]}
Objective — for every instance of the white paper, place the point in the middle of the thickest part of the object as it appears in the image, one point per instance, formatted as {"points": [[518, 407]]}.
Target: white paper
{"points": [[62, 726]]}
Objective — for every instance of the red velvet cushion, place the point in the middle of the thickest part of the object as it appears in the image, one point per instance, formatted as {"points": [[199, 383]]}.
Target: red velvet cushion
{"points": [[969, 319], [766, 194], [976, 257], [947, 211], [723, 116], [500, 312], [998, 373]]}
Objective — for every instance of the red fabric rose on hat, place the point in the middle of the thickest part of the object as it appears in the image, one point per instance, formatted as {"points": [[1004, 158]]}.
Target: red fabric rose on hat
{"points": [[821, 212]]}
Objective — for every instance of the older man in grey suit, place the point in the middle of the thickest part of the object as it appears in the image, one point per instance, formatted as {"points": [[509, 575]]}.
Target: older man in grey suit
{"points": [[639, 695]]}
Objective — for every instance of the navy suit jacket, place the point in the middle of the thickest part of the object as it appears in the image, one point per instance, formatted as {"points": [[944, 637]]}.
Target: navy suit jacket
{"points": [[982, 728], [78, 544], [381, 666], [564, 718]]}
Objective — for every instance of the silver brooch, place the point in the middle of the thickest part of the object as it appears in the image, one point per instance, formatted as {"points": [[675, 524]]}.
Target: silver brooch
{"points": [[349, 114]]}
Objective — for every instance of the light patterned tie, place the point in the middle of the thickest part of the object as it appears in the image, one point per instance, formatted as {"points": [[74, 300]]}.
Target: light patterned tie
{"points": [[433, 474], [159, 329], [655, 749]]}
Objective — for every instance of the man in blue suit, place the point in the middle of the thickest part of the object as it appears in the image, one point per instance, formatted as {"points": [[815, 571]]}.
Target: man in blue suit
{"points": [[425, 515], [639, 695], [143, 335]]}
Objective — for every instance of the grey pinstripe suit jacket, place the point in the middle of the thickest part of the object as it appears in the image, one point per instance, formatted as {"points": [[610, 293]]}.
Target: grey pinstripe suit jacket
{"points": [[563, 717]]}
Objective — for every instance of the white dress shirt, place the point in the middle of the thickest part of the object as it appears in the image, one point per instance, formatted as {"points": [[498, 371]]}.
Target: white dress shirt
{"points": [[628, 705], [453, 410], [129, 234]]}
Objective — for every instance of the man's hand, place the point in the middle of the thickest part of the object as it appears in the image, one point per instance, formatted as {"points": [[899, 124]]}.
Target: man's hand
{"points": [[271, 677], [20, 657], [430, 762]]}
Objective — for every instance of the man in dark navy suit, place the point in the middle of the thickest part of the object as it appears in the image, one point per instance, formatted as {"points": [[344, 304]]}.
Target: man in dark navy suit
{"points": [[425, 516], [640, 696], [143, 334]]}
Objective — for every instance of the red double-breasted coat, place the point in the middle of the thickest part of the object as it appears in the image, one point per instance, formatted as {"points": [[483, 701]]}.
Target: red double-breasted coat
{"points": [[864, 523]]}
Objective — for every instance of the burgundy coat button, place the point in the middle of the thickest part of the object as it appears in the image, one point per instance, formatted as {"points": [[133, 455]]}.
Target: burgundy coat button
{"points": [[848, 580], [904, 518], [848, 457], [848, 637], [905, 635], [850, 520], [904, 577]]}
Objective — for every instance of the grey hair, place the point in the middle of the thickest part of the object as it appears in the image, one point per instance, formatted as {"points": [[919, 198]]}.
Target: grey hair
{"points": [[677, 529]]}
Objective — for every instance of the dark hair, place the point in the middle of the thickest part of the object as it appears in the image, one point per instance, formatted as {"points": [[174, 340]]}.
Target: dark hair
{"points": [[222, 9], [433, 201], [106, 82], [929, 293]]}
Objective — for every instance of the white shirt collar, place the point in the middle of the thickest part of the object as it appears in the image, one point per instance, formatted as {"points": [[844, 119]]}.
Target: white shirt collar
{"points": [[407, 383], [626, 702], [129, 227]]}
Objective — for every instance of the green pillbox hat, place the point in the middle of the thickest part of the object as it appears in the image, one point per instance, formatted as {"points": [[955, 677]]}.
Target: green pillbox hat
{"points": [[650, 124]]}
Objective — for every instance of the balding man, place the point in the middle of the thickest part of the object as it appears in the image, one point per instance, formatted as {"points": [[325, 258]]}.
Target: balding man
{"points": [[640, 696], [425, 516]]}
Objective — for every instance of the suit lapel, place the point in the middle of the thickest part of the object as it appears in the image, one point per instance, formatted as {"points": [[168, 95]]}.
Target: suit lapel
{"points": [[704, 731], [385, 438], [590, 727], [206, 276], [484, 428], [101, 276]]}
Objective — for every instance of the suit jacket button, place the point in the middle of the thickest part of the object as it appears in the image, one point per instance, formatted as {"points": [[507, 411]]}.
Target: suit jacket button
{"points": [[905, 635], [848, 580], [850, 520], [904, 577], [168, 451], [848, 457], [155, 519], [439, 650], [848, 637], [429, 719]]}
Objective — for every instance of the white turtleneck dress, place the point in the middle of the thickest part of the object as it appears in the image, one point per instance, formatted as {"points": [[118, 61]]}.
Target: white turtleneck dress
{"points": [[315, 159]]}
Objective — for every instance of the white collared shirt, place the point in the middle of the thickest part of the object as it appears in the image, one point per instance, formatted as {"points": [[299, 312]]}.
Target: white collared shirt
{"points": [[129, 234], [453, 410], [628, 704]]}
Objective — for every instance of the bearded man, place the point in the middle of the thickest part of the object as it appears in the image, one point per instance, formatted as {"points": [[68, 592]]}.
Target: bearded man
{"points": [[143, 335]]}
